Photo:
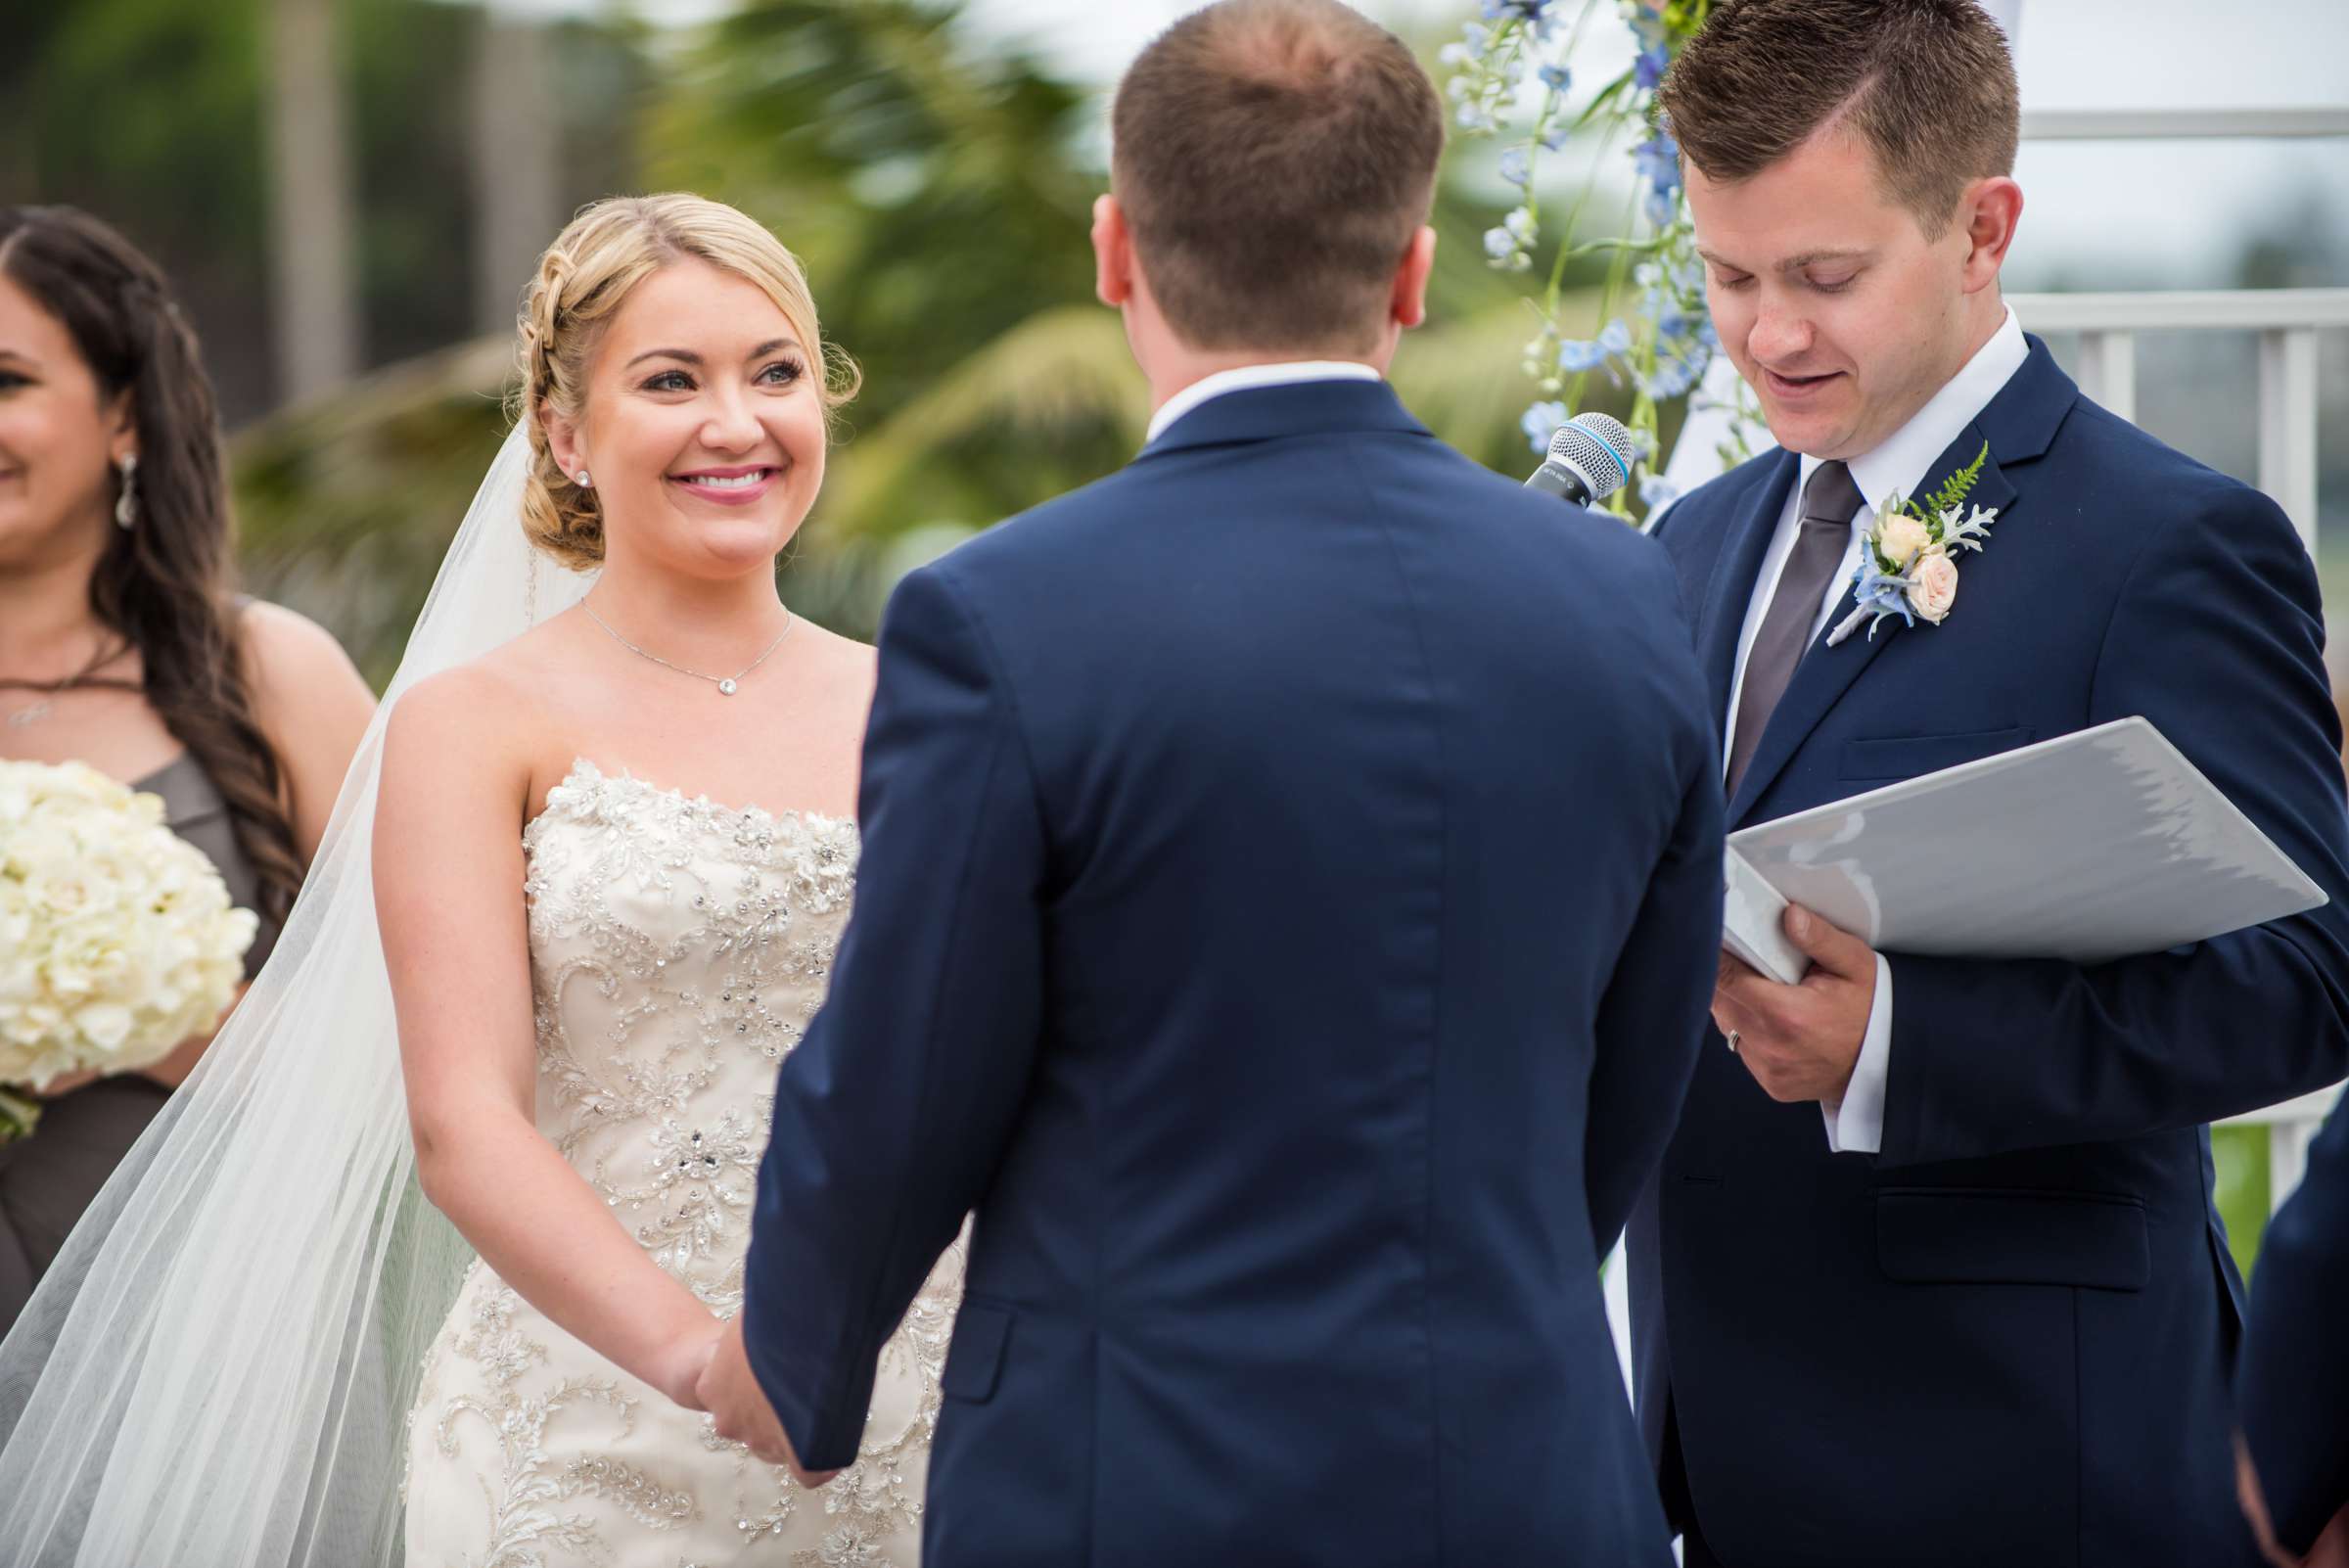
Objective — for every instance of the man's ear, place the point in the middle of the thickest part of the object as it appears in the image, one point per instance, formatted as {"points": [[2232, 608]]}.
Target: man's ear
{"points": [[1990, 213], [1409, 305], [1113, 253]]}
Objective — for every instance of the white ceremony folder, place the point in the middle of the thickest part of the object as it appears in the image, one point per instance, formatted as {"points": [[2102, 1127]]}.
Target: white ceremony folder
{"points": [[2090, 846]]}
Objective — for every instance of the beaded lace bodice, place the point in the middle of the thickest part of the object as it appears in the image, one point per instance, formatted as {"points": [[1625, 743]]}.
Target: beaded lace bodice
{"points": [[679, 949]]}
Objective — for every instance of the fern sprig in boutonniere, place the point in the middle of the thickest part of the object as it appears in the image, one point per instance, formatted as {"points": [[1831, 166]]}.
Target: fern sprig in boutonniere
{"points": [[1909, 566]]}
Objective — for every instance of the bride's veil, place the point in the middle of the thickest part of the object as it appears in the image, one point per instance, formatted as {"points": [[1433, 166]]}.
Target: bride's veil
{"points": [[216, 1370]]}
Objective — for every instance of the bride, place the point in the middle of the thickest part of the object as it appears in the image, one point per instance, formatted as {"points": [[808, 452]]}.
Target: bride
{"points": [[594, 964]]}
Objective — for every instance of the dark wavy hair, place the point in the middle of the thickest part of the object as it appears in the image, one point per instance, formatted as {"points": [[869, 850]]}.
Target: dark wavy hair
{"points": [[164, 584]]}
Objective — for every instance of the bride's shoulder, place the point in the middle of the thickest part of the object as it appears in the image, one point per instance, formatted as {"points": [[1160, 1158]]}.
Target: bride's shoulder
{"points": [[842, 659], [472, 717]]}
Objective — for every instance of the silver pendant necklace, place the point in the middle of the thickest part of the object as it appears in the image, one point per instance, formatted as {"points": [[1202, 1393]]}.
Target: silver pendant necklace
{"points": [[42, 705], [727, 685]]}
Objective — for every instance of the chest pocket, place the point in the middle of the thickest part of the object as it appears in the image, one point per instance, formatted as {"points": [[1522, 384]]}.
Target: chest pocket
{"points": [[1906, 756]]}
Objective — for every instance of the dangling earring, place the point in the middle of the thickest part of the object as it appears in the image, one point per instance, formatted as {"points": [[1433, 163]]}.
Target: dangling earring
{"points": [[585, 483], [126, 506]]}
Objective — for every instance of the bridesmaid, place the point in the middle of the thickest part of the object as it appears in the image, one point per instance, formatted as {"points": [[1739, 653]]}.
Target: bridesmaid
{"points": [[120, 646]]}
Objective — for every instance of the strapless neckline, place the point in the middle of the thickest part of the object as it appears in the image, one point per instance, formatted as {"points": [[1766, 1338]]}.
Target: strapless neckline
{"points": [[587, 782]]}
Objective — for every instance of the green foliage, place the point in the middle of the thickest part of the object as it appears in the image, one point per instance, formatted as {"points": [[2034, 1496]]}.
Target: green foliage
{"points": [[940, 195], [930, 187], [939, 187], [1953, 489], [2240, 1154]]}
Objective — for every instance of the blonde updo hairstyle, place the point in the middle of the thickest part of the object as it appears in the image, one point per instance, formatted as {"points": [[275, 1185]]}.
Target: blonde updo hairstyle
{"points": [[608, 249]]}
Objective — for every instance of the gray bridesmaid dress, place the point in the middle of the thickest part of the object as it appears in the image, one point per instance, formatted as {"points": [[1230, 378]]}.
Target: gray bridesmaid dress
{"points": [[47, 1180]]}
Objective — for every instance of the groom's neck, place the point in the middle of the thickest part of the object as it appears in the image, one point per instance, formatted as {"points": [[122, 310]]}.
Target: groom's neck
{"points": [[1177, 364], [1169, 377]]}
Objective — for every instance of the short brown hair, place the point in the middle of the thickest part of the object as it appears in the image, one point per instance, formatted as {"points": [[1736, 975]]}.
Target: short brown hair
{"points": [[1928, 84], [1273, 158]]}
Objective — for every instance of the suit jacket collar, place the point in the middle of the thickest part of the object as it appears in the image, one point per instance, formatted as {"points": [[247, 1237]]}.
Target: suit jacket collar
{"points": [[2018, 425], [1731, 587], [1297, 408]]}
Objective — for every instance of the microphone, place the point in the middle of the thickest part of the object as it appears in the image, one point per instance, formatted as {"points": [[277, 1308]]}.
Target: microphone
{"points": [[1589, 460]]}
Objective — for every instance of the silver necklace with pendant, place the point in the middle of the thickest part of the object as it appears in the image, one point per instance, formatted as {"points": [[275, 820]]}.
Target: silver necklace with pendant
{"points": [[42, 705], [727, 685]]}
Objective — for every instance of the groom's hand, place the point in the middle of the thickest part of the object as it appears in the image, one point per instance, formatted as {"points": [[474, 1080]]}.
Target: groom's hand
{"points": [[2331, 1549], [730, 1391], [1801, 1042]]}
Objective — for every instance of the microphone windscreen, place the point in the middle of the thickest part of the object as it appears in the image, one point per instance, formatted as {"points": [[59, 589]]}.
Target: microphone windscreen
{"points": [[1596, 448]]}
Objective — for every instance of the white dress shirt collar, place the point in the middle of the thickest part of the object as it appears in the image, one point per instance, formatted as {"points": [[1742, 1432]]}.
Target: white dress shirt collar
{"points": [[1899, 461], [1247, 377]]}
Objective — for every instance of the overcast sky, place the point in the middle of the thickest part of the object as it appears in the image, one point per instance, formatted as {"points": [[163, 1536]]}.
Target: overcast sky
{"points": [[2141, 214], [2157, 214]]}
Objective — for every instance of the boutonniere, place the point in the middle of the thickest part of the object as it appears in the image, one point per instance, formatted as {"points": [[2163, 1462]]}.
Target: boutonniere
{"points": [[1909, 566]]}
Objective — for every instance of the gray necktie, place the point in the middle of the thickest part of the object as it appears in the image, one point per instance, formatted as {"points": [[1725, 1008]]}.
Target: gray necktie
{"points": [[1831, 500]]}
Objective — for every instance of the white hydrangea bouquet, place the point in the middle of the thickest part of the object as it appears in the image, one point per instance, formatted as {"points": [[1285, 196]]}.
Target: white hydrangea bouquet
{"points": [[117, 939]]}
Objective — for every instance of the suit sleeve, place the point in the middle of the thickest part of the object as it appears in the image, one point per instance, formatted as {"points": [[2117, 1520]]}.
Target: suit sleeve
{"points": [[892, 1113], [2293, 1382], [1651, 1018], [2218, 639]]}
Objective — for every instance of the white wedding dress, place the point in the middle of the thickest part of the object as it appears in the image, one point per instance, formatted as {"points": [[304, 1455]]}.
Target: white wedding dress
{"points": [[677, 951]]}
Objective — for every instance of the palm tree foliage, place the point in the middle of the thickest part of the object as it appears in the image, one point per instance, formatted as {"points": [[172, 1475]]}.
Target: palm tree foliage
{"points": [[939, 190]]}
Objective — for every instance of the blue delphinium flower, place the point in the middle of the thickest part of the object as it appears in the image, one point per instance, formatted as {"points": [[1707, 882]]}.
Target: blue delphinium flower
{"points": [[1499, 244], [1536, 15], [1521, 226], [1648, 70], [1517, 167], [1555, 137], [1659, 162], [1657, 492], [1883, 592], [1556, 77], [1540, 423], [1575, 357], [1672, 377]]}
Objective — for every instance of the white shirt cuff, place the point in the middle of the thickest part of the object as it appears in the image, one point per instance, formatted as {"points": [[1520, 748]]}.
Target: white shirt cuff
{"points": [[1857, 1125]]}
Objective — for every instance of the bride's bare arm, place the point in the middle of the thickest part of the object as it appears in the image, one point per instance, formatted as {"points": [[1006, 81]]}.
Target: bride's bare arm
{"points": [[448, 875]]}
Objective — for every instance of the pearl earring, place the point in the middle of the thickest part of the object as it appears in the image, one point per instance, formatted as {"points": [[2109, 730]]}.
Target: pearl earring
{"points": [[126, 505], [585, 483]]}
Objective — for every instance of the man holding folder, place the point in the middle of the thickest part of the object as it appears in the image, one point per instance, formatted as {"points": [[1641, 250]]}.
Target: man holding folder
{"points": [[1986, 1312]]}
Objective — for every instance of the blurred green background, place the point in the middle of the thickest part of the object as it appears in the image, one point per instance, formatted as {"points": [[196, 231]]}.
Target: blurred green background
{"points": [[936, 179], [351, 193]]}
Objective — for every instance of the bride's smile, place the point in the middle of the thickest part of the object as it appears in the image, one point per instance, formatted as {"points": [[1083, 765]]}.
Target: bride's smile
{"points": [[702, 429]]}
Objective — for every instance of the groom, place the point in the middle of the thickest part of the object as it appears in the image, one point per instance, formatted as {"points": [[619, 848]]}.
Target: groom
{"points": [[1291, 881], [1985, 1313]]}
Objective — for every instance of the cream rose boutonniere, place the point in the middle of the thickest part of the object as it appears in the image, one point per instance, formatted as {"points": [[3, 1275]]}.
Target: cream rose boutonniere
{"points": [[1933, 587], [1909, 566]]}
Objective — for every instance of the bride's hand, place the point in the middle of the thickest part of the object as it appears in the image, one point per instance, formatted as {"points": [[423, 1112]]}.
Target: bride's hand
{"points": [[678, 1370]]}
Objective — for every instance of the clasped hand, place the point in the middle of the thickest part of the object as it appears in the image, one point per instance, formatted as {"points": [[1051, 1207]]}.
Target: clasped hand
{"points": [[714, 1375], [1801, 1042]]}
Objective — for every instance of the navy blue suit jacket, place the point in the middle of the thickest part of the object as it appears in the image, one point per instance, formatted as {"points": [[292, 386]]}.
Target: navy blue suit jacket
{"points": [[2009, 1337], [1289, 897], [2294, 1379]]}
